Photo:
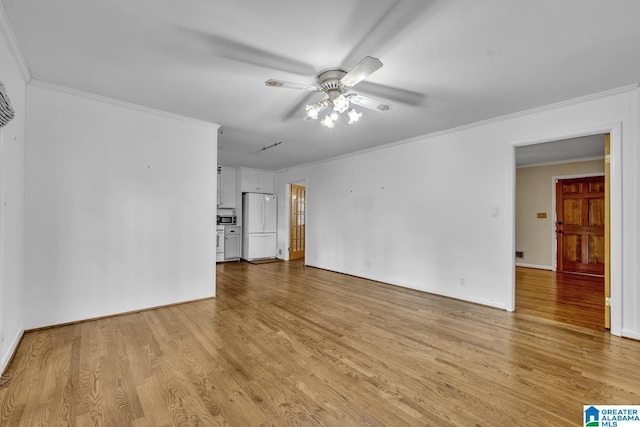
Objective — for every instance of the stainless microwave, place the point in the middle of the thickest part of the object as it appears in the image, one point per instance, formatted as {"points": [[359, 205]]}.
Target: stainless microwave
{"points": [[226, 220]]}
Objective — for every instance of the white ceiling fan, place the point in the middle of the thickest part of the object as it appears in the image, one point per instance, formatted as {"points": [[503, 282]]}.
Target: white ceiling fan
{"points": [[336, 83]]}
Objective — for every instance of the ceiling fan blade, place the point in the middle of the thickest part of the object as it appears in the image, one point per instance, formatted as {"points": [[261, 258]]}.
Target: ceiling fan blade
{"points": [[291, 85], [297, 111], [370, 103], [400, 15], [392, 93], [358, 73], [240, 52]]}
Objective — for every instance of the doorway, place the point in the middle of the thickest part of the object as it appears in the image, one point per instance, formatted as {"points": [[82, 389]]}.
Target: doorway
{"points": [[543, 252], [297, 220]]}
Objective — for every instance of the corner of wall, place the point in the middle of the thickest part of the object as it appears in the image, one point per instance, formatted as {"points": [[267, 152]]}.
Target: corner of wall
{"points": [[15, 74], [11, 350], [12, 44]]}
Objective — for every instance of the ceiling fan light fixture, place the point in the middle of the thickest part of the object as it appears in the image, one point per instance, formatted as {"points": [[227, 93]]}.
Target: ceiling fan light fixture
{"points": [[327, 122], [312, 112], [335, 83], [354, 116], [341, 104]]}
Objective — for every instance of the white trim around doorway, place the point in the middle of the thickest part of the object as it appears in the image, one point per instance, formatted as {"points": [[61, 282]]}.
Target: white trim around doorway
{"points": [[615, 131]]}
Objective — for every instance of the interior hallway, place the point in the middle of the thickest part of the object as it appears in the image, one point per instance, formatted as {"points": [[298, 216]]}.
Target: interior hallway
{"points": [[576, 299]]}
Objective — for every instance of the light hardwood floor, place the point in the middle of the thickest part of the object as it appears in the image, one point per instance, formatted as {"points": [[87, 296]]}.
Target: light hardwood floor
{"points": [[284, 344], [577, 299]]}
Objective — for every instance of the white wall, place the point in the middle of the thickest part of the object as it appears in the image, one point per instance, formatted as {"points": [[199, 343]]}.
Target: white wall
{"points": [[12, 145], [419, 213], [536, 237], [120, 207], [412, 214]]}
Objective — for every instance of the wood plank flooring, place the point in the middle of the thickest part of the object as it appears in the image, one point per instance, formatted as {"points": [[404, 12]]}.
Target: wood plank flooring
{"points": [[577, 299], [285, 344]]}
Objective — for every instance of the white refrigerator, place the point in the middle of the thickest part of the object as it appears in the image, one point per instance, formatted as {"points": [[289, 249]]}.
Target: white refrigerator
{"points": [[258, 226]]}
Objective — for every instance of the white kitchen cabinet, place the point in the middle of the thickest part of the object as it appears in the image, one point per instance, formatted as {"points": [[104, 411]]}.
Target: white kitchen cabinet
{"points": [[232, 238], [255, 181], [226, 187]]}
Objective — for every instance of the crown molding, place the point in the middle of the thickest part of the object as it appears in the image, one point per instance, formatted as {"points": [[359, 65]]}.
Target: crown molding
{"points": [[498, 119], [523, 113], [12, 43], [117, 102]]}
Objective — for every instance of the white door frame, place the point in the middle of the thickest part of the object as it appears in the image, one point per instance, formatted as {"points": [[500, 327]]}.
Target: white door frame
{"points": [[615, 130]]}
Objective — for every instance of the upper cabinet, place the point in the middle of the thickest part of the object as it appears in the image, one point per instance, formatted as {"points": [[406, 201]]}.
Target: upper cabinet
{"points": [[255, 181], [226, 187]]}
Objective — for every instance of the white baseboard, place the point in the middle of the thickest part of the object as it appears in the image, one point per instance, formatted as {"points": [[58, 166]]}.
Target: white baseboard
{"points": [[627, 333], [13, 346], [539, 267], [488, 303]]}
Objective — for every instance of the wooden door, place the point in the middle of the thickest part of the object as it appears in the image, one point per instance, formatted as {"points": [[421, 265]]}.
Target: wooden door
{"points": [[607, 230], [580, 213], [297, 218]]}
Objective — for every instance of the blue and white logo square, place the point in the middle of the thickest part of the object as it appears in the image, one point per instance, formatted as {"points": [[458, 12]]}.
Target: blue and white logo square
{"points": [[611, 415]]}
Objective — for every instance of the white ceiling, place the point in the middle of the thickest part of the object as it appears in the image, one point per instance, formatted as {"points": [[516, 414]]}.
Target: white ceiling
{"points": [[583, 148], [446, 63]]}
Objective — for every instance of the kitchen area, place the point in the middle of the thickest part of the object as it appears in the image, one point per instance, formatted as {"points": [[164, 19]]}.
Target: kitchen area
{"points": [[246, 215]]}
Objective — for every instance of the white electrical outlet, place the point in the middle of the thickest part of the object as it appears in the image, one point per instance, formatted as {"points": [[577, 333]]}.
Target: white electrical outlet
{"points": [[463, 282]]}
